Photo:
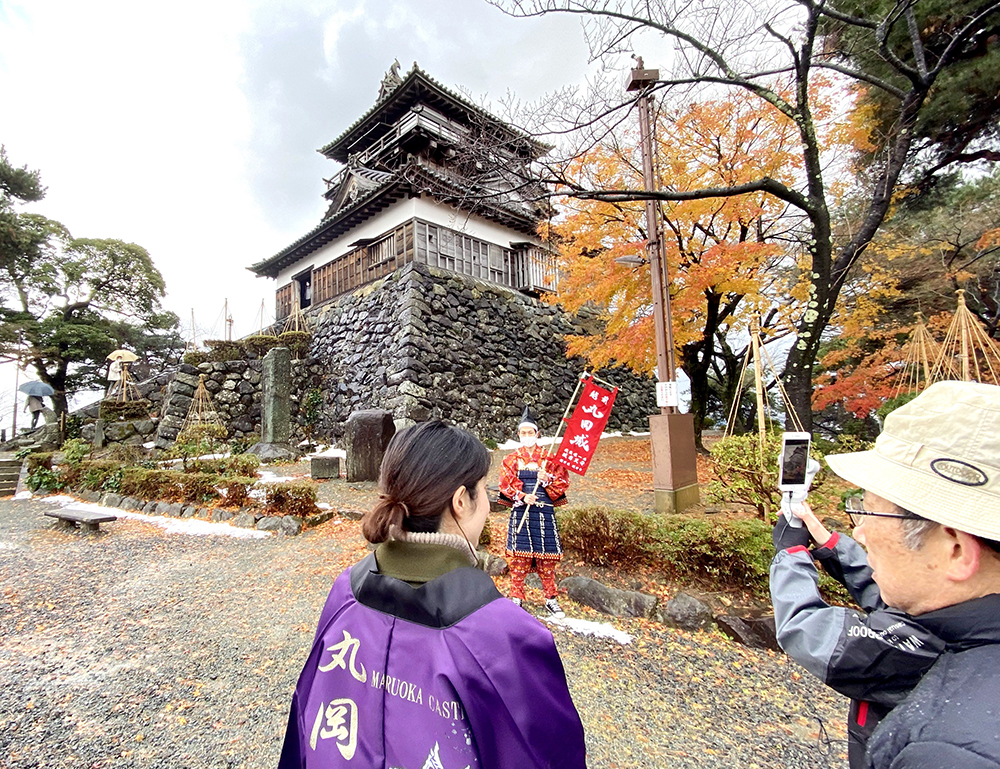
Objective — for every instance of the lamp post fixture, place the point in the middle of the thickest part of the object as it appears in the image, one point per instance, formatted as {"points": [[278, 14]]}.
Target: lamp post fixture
{"points": [[675, 466]]}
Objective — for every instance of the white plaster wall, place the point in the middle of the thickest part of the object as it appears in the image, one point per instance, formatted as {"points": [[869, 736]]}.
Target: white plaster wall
{"points": [[401, 211], [474, 226]]}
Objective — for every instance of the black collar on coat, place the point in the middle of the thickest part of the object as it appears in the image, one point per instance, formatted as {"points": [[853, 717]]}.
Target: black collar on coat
{"points": [[439, 603]]}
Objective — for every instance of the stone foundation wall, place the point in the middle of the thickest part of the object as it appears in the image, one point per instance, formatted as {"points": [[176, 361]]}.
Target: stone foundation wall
{"points": [[421, 343], [424, 343], [235, 389]]}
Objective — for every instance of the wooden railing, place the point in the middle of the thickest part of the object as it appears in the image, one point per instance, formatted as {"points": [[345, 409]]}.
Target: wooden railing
{"points": [[363, 265], [529, 268], [536, 269]]}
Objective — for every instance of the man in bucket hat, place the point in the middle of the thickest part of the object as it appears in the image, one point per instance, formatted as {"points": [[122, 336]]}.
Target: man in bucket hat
{"points": [[930, 521]]}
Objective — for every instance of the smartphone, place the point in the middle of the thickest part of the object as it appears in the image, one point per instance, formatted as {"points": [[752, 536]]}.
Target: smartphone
{"points": [[794, 461]]}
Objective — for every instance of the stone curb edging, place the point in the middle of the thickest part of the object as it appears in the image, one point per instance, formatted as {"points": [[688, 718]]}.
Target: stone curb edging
{"points": [[244, 518], [683, 611]]}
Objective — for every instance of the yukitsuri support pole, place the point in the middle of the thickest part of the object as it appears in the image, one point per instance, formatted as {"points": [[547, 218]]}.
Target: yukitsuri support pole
{"points": [[758, 371], [548, 453]]}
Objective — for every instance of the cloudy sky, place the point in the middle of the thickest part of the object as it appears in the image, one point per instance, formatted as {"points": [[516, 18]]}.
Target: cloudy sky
{"points": [[191, 128]]}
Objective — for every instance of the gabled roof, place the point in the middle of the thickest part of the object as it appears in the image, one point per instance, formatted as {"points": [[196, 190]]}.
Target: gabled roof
{"points": [[364, 207], [412, 179], [356, 182], [418, 87]]}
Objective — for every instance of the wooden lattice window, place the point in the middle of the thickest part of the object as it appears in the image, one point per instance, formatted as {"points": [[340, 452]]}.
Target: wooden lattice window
{"points": [[283, 302]]}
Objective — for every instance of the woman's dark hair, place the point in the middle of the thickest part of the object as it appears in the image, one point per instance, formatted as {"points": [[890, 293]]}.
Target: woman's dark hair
{"points": [[422, 467]]}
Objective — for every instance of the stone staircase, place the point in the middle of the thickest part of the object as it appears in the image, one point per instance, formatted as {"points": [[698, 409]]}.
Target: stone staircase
{"points": [[10, 471]]}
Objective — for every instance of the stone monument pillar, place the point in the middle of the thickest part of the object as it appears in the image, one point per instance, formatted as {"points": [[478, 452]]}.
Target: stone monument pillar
{"points": [[275, 411], [366, 436]]}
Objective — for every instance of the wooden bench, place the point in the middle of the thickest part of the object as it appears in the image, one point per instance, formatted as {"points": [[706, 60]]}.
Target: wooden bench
{"points": [[86, 520]]}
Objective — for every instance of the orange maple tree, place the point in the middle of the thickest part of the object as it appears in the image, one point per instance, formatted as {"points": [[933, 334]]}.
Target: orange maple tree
{"points": [[727, 258], [916, 262]]}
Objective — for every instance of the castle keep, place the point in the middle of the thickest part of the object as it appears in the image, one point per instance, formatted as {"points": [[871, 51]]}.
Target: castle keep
{"points": [[423, 279]]}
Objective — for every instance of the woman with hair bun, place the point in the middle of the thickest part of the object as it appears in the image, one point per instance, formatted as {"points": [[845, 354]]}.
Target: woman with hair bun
{"points": [[417, 662]]}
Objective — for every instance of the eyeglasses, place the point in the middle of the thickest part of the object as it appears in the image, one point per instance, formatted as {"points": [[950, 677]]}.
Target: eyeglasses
{"points": [[856, 512]]}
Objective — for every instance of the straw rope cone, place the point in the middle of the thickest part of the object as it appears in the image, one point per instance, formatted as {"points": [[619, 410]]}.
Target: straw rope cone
{"points": [[938, 457]]}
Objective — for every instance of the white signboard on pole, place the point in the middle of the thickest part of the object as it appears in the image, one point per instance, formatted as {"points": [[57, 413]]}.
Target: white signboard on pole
{"points": [[666, 394]]}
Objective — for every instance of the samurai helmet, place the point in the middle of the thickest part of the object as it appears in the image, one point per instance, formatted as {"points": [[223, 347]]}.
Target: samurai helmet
{"points": [[528, 420]]}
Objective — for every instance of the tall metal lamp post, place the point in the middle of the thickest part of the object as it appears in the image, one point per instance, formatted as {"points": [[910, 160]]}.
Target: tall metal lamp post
{"points": [[675, 467]]}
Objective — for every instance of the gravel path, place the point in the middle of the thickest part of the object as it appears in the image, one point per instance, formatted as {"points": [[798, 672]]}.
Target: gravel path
{"points": [[138, 648]]}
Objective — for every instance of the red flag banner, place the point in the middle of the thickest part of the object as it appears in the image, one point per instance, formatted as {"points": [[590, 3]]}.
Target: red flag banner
{"points": [[584, 427]]}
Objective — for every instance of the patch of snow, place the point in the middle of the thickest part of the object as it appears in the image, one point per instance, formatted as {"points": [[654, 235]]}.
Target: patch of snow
{"points": [[191, 526], [324, 506], [588, 628], [23, 495], [266, 476], [149, 445], [326, 451], [193, 459]]}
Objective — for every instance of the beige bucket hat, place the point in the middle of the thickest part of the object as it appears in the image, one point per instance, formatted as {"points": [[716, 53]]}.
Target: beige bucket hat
{"points": [[939, 457]]}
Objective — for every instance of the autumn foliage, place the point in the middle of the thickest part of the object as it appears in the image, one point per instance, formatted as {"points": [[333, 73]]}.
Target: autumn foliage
{"points": [[718, 247]]}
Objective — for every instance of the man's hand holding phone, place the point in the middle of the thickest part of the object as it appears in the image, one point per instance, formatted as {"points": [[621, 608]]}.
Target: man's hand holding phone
{"points": [[796, 470]]}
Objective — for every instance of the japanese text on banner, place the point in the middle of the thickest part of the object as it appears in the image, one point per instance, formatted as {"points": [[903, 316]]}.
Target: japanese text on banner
{"points": [[584, 428]]}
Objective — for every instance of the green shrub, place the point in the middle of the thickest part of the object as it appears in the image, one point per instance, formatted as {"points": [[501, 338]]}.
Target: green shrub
{"points": [[894, 403], [225, 349], [241, 464], [195, 358], [292, 497], [75, 450], [126, 454], [296, 341], [743, 477], [608, 537], [259, 344], [74, 425], [141, 482], [197, 440], [731, 552], [93, 475], [124, 411], [44, 479], [311, 411], [113, 480], [199, 487], [237, 490], [39, 459]]}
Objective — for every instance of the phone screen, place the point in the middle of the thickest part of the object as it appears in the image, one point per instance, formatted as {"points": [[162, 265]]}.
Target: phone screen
{"points": [[793, 462]]}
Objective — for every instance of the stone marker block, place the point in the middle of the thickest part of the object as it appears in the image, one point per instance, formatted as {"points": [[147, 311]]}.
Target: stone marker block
{"points": [[321, 468], [366, 434], [276, 425]]}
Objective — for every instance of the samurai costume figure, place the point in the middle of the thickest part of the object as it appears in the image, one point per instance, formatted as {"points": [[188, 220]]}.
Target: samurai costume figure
{"points": [[534, 484]]}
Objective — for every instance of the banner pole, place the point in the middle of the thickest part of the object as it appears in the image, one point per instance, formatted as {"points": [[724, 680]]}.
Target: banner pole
{"points": [[548, 454]]}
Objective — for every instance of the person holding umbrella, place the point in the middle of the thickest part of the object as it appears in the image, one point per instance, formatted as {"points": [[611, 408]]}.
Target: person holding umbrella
{"points": [[35, 405], [118, 373]]}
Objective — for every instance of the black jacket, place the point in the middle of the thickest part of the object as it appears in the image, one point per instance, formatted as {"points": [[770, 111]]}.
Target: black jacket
{"points": [[952, 718], [875, 658]]}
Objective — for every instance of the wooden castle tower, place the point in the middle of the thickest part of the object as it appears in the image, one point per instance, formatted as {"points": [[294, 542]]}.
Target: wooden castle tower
{"points": [[427, 177]]}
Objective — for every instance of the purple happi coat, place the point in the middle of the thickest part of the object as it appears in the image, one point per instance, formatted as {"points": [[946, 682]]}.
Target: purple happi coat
{"points": [[448, 675]]}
